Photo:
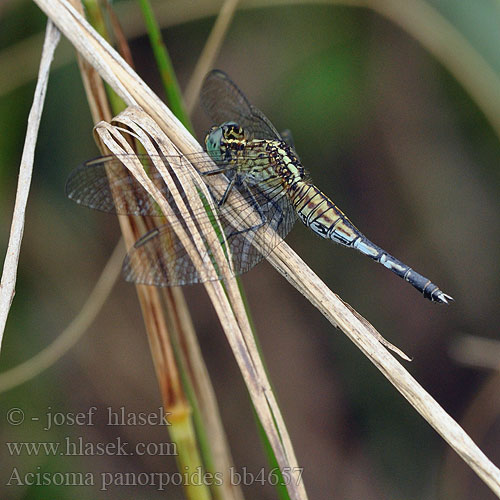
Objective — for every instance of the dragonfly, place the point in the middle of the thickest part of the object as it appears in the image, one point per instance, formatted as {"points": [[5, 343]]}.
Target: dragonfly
{"points": [[258, 175]]}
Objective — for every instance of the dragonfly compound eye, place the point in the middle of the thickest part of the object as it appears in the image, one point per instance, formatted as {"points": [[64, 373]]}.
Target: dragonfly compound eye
{"points": [[213, 141]]}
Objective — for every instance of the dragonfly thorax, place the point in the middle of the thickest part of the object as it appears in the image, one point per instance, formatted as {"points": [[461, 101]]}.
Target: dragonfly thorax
{"points": [[288, 165], [257, 160]]}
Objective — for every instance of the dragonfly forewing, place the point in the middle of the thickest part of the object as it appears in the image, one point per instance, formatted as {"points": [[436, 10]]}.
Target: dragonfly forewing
{"points": [[105, 184]]}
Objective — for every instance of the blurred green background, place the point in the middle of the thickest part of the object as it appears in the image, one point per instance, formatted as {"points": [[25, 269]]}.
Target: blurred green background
{"points": [[391, 135]]}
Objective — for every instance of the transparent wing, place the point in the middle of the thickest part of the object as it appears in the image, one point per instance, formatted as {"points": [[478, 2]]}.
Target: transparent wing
{"points": [[159, 258], [105, 184], [224, 101]]}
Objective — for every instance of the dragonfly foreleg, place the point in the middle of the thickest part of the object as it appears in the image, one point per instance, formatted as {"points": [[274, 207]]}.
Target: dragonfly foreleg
{"points": [[220, 170], [227, 191]]}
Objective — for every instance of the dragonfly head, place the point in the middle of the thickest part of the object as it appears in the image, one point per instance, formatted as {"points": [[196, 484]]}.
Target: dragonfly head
{"points": [[223, 138]]}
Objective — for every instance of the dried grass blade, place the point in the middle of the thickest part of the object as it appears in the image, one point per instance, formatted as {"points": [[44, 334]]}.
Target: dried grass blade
{"points": [[181, 430], [9, 274], [288, 263], [210, 431]]}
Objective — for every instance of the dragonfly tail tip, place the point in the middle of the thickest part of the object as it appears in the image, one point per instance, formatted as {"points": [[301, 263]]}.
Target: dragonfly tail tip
{"points": [[444, 298]]}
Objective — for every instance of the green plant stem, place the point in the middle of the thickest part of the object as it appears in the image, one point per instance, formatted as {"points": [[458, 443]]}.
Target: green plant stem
{"points": [[188, 458], [167, 74]]}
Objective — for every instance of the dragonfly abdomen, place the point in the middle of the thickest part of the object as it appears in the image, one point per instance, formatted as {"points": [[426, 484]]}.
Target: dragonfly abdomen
{"points": [[421, 283], [319, 213]]}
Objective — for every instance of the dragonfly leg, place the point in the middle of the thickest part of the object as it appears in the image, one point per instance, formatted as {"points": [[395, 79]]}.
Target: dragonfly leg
{"points": [[275, 202], [227, 191], [216, 171]]}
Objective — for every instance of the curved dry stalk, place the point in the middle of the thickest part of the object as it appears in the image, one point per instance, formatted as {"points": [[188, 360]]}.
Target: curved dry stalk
{"points": [[73, 332], [190, 356], [181, 430], [143, 128], [196, 427], [131, 88], [209, 53]]}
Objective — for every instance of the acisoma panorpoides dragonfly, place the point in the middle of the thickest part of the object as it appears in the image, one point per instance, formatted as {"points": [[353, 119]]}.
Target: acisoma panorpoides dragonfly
{"points": [[253, 160]]}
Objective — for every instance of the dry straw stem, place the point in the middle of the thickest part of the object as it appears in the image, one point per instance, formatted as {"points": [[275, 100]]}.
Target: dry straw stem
{"points": [[149, 298], [416, 17], [189, 354], [9, 274], [128, 85], [175, 403], [161, 326]]}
